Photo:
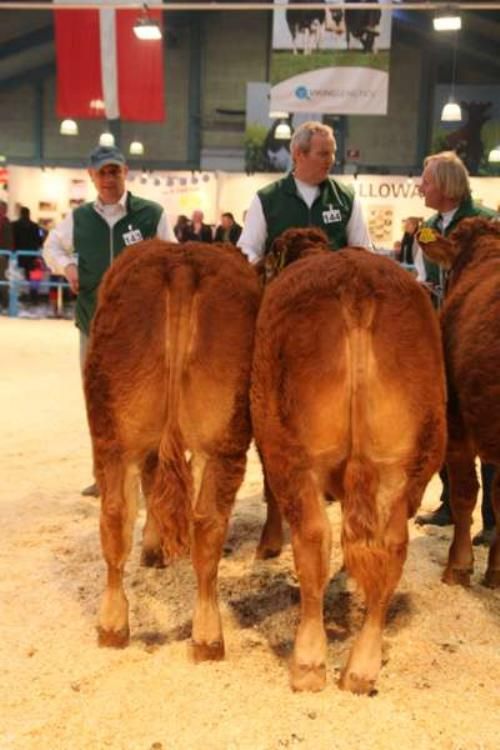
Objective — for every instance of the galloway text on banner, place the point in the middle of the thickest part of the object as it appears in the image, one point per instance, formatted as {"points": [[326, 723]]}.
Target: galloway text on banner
{"points": [[330, 61], [103, 69]]}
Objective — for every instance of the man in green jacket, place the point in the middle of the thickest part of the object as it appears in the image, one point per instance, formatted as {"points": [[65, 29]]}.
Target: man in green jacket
{"points": [[307, 197], [84, 245], [445, 188]]}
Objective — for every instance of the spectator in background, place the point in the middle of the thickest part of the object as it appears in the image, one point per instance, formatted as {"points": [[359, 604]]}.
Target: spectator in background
{"points": [[197, 230], [408, 242], [228, 230], [181, 228], [445, 188], [411, 253], [27, 236], [6, 243]]}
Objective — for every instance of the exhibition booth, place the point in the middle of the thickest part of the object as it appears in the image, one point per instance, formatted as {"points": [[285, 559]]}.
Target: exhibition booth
{"points": [[387, 200]]}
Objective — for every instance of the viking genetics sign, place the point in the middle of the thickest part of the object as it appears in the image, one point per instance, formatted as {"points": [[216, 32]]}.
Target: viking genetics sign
{"points": [[330, 61]]}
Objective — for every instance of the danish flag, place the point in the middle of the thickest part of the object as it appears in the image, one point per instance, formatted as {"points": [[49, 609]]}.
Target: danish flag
{"points": [[103, 69]]}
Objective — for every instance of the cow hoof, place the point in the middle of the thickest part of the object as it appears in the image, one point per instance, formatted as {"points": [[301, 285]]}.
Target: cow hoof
{"points": [[356, 683], [112, 638], [305, 677], [456, 577], [491, 579], [153, 558], [264, 552], [207, 651]]}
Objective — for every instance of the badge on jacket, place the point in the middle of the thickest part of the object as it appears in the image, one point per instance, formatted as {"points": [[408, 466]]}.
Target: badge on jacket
{"points": [[331, 215], [132, 236]]}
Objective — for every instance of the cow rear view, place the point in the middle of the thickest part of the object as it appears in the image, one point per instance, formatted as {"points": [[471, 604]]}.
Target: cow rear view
{"points": [[166, 384], [470, 321], [347, 399]]}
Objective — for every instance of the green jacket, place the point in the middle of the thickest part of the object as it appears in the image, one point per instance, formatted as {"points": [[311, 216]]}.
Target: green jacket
{"points": [[465, 210], [97, 245], [284, 208]]}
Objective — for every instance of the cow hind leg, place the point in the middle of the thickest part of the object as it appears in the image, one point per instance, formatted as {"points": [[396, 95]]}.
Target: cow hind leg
{"points": [[492, 576], [152, 553], [119, 487], [216, 481], [375, 560], [299, 498], [460, 462], [271, 539]]}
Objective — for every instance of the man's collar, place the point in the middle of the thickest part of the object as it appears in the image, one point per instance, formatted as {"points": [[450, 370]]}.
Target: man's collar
{"points": [[291, 183], [100, 206]]}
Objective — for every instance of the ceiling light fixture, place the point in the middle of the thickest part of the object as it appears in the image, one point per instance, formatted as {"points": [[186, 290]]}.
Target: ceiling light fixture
{"points": [[107, 139], [68, 127], [136, 148], [451, 111], [447, 19], [283, 132], [145, 28], [494, 155]]}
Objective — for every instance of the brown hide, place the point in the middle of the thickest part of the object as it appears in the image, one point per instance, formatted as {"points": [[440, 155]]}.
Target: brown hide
{"points": [[169, 357], [347, 398], [470, 321], [167, 377]]}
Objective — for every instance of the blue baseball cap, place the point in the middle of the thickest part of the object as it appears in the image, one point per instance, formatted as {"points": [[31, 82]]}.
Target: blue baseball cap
{"points": [[103, 155]]}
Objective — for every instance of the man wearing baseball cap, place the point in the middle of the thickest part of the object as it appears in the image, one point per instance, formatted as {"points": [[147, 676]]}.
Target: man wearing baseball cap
{"points": [[85, 243]]}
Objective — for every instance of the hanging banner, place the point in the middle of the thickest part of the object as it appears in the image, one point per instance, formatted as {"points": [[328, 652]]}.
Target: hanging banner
{"points": [[103, 69], [330, 61]]}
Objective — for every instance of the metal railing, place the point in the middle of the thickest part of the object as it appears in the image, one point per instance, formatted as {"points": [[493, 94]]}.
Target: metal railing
{"points": [[17, 284]]}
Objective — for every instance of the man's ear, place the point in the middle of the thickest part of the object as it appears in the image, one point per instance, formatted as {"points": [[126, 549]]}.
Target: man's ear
{"points": [[125, 170]]}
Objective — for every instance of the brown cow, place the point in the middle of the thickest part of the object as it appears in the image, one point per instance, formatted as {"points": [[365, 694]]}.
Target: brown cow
{"points": [[168, 374], [348, 397], [470, 321]]}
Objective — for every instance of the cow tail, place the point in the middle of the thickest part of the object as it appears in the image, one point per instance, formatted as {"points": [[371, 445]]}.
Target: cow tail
{"points": [[173, 493], [359, 506]]}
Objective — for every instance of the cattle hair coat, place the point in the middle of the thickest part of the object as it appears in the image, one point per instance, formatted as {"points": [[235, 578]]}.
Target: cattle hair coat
{"points": [[167, 381], [348, 398], [470, 321]]}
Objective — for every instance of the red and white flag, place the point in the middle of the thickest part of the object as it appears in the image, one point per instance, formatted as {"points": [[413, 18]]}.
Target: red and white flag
{"points": [[103, 69]]}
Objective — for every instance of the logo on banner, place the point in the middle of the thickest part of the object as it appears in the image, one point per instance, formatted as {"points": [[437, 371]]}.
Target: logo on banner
{"points": [[302, 92]]}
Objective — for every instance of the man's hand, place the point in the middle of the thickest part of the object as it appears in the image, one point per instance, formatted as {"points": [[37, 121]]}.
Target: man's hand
{"points": [[71, 273]]}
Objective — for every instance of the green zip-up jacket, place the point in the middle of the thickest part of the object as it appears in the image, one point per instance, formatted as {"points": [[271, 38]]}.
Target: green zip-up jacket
{"points": [[465, 210], [97, 245], [284, 208]]}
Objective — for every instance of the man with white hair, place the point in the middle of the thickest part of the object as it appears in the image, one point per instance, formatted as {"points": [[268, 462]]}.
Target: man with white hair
{"points": [[307, 197], [445, 188]]}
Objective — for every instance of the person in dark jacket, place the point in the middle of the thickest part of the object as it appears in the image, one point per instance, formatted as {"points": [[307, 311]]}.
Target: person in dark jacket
{"points": [[181, 228], [6, 243], [408, 240], [27, 236], [198, 231], [445, 188], [228, 230]]}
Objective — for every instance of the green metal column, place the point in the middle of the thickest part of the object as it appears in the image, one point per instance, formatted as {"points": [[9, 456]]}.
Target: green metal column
{"points": [[194, 94]]}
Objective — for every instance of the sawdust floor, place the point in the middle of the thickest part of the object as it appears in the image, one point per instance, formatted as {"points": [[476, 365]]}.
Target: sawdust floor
{"points": [[439, 687]]}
